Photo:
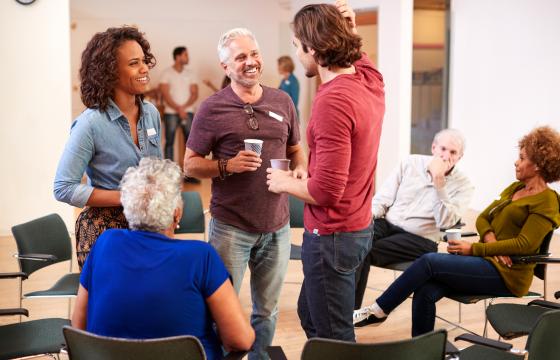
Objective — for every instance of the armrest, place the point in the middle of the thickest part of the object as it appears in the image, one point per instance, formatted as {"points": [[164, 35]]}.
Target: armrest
{"points": [[36, 257], [544, 303], [13, 275], [534, 259], [459, 225], [479, 340], [469, 234], [17, 311]]}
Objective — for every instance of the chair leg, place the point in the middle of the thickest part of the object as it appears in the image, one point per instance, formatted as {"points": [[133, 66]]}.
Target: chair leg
{"points": [[485, 331], [20, 296], [460, 313]]}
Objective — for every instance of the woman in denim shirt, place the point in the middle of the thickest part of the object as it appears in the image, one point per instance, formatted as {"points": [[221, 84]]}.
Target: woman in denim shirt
{"points": [[117, 129]]}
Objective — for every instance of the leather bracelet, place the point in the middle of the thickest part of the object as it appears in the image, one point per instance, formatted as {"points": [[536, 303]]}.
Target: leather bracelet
{"points": [[222, 168]]}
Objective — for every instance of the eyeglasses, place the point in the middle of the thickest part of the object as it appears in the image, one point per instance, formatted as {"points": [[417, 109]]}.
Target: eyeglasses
{"points": [[252, 122]]}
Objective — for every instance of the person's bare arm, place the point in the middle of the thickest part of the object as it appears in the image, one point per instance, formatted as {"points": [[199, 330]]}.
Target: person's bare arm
{"points": [[79, 317], [233, 327], [210, 85], [196, 165], [280, 181]]}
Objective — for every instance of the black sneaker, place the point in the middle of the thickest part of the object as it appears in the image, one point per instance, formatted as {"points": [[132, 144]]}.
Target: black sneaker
{"points": [[191, 180], [365, 317]]}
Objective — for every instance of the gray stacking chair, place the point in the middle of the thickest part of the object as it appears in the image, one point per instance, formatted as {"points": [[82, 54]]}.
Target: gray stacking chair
{"points": [[82, 345], [43, 242], [542, 343], [430, 346], [514, 320], [192, 221], [31, 338]]}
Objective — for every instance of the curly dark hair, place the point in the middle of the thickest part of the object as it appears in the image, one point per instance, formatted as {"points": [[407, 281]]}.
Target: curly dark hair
{"points": [[322, 28], [99, 70], [542, 146]]}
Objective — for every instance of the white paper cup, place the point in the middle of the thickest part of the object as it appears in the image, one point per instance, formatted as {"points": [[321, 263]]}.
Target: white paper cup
{"points": [[453, 234], [282, 164], [254, 145]]}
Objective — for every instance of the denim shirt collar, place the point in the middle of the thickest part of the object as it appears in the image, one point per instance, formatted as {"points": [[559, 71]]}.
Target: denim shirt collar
{"points": [[114, 112]]}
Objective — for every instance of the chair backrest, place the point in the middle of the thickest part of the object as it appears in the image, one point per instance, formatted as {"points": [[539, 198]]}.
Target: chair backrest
{"points": [[430, 346], [543, 343], [83, 345], [296, 212], [540, 269], [192, 221], [45, 235]]}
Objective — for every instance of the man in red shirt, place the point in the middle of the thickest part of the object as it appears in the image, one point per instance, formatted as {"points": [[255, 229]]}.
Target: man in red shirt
{"points": [[343, 137]]}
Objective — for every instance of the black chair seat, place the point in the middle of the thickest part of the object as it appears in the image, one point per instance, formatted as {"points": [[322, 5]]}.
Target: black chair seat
{"points": [[478, 352], [34, 337], [402, 266], [66, 286], [514, 320], [295, 252]]}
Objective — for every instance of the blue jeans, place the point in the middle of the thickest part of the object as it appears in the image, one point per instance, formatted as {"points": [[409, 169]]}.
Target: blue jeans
{"points": [[326, 299], [267, 255], [435, 275], [171, 121]]}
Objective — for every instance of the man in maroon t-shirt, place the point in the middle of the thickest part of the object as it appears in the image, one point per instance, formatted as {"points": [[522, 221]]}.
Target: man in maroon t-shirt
{"points": [[249, 224], [343, 137]]}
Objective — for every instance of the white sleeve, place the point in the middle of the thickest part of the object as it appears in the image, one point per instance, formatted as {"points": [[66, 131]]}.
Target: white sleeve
{"points": [[387, 193]]}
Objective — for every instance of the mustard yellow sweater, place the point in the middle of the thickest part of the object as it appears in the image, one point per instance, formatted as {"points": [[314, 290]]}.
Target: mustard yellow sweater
{"points": [[520, 227]]}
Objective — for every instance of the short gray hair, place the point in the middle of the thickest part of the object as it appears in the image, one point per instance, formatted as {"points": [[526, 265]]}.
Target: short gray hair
{"points": [[150, 193], [454, 134], [228, 37]]}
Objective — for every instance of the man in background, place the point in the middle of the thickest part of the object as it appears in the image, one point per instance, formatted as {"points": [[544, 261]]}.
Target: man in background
{"points": [[180, 91], [424, 194]]}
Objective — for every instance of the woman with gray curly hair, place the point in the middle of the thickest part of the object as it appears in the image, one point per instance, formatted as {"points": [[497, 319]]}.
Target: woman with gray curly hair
{"points": [[141, 283]]}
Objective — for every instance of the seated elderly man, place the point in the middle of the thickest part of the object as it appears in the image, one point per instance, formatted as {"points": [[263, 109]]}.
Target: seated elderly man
{"points": [[141, 283], [425, 193]]}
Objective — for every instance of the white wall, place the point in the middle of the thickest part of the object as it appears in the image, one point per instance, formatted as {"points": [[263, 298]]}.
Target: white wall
{"points": [[395, 63], [504, 81], [35, 107]]}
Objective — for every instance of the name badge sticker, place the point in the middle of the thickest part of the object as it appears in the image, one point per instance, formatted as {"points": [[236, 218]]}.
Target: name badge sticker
{"points": [[275, 116], [151, 132]]}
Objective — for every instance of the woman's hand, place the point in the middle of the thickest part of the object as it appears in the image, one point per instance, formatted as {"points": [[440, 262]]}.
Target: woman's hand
{"points": [[503, 259], [459, 247], [489, 237]]}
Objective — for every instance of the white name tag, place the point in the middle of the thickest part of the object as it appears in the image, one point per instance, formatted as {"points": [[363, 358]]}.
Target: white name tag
{"points": [[151, 132], [275, 116]]}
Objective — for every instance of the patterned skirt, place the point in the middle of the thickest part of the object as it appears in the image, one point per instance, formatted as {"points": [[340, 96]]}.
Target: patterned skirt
{"points": [[91, 222]]}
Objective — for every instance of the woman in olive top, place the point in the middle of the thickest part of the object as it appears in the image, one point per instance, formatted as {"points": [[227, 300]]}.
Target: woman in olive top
{"points": [[117, 129], [516, 224]]}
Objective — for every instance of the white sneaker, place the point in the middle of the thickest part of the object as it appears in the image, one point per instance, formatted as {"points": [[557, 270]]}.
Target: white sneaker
{"points": [[360, 315]]}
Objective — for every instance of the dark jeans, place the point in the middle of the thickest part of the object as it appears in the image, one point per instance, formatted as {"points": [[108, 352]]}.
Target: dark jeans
{"points": [[435, 275], [326, 299], [171, 121], [391, 244]]}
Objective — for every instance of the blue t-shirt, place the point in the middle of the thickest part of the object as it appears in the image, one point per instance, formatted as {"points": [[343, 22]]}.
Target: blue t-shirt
{"points": [[144, 285], [291, 86]]}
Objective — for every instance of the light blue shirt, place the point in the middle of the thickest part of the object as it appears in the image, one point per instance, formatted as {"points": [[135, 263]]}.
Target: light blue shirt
{"points": [[100, 145]]}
